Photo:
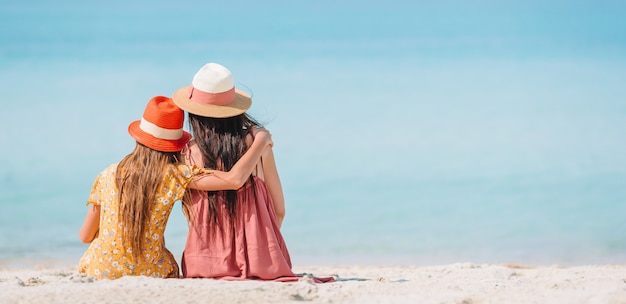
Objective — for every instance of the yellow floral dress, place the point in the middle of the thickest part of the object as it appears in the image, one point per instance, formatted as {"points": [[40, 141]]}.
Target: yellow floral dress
{"points": [[108, 256]]}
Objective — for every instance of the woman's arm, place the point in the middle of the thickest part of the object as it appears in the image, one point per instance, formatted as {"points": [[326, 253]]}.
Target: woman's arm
{"points": [[272, 180], [91, 225], [239, 173]]}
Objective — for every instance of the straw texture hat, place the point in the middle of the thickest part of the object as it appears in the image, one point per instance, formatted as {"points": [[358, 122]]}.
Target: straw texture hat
{"points": [[212, 93]]}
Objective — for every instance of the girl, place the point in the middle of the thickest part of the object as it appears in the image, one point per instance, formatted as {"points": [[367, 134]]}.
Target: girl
{"points": [[232, 234], [132, 200]]}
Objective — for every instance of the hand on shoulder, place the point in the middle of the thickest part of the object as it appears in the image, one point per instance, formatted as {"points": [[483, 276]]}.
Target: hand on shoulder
{"points": [[263, 135]]}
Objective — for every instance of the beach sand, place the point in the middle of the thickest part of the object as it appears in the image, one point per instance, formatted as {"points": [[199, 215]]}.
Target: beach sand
{"points": [[455, 283]]}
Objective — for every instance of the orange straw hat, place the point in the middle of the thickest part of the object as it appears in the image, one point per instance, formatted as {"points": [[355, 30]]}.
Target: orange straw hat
{"points": [[161, 127], [212, 93]]}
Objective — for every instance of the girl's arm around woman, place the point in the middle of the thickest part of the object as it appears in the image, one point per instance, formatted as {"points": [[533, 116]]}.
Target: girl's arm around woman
{"points": [[238, 175]]}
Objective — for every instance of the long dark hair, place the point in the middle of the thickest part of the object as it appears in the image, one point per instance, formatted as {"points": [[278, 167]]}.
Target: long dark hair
{"points": [[222, 142]]}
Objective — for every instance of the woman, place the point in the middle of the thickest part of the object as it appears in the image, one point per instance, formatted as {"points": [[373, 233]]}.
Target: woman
{"points": [[232, 234]]}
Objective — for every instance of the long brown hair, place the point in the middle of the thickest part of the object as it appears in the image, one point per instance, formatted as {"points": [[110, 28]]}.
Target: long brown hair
{"points": [[138, 178], [222, 142]]}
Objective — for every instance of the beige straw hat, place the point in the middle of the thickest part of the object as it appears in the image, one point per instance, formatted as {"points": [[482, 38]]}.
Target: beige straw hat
{"points": [[212, 93]]}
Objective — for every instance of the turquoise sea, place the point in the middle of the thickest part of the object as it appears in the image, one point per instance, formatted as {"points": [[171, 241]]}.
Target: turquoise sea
{"points": [[407, 132]]}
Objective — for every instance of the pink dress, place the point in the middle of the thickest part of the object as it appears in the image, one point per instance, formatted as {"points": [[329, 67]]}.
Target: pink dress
{"points": [[253, 249]]}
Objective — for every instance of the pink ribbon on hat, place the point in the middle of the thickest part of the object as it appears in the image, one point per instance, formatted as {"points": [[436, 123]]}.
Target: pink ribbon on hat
{"points": [[216, 99]]}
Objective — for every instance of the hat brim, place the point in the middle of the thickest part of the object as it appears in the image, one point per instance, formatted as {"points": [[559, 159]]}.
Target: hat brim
{"points": [[159, 144], [240, 105]]}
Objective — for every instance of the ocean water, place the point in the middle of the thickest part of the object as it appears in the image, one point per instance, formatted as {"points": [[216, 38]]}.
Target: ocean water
{"points": [[407, 132]]}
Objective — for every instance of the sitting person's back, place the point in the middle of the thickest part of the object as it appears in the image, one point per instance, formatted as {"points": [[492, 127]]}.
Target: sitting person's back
{"points": [[237, 238]]}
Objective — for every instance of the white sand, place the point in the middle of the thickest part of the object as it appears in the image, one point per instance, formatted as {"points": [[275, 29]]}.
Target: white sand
{"points": [[456, 283]]}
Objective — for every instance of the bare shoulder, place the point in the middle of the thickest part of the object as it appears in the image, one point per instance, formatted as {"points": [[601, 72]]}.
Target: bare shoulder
{"points": [[193, 155]]}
